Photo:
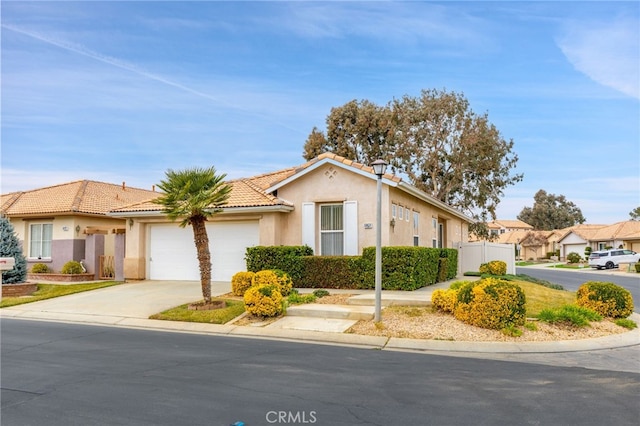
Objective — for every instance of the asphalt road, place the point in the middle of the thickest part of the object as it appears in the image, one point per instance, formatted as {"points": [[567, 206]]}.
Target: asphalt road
{"points": [[68, 374], [571, 280]]}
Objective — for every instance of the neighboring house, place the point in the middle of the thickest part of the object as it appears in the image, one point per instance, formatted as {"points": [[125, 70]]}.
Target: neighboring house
{"points": [[499, 227], [624, 235], [54, 223], [328, 203], [576, 239], [531, 245]]}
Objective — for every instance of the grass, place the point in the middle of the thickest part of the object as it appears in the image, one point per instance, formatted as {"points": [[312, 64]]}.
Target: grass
{"points": [[569, 266], [233, 309], [540, 297], [49, 291]]}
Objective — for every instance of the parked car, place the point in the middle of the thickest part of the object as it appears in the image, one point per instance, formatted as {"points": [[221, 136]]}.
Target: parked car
{"points": [[610, 259]]}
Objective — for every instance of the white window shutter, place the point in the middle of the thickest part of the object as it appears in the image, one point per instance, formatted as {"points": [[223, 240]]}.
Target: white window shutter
{"points": [[309, 225], [351, 228]]}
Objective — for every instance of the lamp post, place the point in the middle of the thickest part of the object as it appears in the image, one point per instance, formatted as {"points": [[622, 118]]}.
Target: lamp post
{"points": [[379, 168]]}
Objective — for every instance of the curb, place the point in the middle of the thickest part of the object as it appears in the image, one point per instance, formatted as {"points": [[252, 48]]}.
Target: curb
{"points": [[626, 339]]}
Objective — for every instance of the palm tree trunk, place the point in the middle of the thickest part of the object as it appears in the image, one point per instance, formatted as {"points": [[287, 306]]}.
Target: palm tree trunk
{"points": [[204, 256]]}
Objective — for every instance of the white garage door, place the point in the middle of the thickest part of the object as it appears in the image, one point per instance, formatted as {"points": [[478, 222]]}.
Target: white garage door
{"points": [[574, 248], [172, 252]]}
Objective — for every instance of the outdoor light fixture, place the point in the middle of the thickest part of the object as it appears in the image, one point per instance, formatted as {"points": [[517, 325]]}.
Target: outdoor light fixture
{"points": [[379, 168]]}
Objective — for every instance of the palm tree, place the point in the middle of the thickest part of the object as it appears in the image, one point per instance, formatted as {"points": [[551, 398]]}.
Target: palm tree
{"points": [[194, 196]]}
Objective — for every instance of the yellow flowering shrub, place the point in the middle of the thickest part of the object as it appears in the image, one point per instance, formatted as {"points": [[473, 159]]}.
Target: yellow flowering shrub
{"points": [[444, 299], [241, 281], [606, 298], [263, 300], [495, 267], [285, 283], [491, 303], [266, 276]]}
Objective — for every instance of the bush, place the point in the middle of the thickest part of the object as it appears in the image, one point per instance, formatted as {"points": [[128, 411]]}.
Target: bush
{"points": [[573, 257], [319, 293], [637, 266], [72, 267], [444, 300], [263, 300], [39, 268], [296, 298], [241, 281], [606, 298], [491, 303], [495, 267], [285, 258], [285, 283], [265, 277]]}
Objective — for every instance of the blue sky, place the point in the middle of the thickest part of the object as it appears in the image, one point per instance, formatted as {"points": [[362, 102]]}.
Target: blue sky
{"points": [[123, 91]]}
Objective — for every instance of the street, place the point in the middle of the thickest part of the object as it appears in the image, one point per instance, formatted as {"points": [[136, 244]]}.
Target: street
{"points": [[69, 374], [571, 279]]}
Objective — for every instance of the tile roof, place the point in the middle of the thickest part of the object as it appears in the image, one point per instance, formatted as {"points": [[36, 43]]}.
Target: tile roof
{"points": [[80, 197], [509, 224]]}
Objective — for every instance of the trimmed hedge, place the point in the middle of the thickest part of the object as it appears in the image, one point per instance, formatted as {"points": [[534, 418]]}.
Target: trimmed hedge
{"points": [[403, 268], [284, 258]]}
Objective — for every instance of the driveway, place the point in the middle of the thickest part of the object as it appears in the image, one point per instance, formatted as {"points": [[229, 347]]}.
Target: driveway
{"points": [[129, 300]]}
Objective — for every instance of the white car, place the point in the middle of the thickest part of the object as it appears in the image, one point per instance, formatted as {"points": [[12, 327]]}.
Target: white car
{"points": [[610, 259]]}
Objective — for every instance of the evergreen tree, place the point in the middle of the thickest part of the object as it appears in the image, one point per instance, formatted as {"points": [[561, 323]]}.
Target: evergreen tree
{"points": [[10, 247]]}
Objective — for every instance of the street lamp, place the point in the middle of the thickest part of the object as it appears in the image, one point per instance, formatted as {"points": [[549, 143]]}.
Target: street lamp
{"points": [[379, 168]]}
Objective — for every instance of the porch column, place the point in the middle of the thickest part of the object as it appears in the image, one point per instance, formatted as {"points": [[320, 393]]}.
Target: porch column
{"points": [[118, 256]]}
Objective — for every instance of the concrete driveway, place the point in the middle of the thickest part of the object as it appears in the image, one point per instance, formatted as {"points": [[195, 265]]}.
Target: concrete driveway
{"points": [[129, 300]]}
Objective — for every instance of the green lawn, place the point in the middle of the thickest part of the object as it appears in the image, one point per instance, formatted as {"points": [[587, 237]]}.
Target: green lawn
{"points": [[214, 316], [540, 297], [48, 291]]}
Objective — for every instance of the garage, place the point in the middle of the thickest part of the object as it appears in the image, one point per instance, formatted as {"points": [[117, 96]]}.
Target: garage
{"points": [[574, 248], [172, 252]]}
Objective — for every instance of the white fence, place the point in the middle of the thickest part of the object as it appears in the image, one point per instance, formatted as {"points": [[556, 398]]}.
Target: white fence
{"points": [[472, 255]]}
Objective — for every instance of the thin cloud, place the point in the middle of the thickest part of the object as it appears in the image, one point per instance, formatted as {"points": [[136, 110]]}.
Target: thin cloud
{"points": [[82, 50], [608, 53]]}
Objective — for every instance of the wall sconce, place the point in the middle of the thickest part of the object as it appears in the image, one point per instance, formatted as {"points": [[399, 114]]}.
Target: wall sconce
{"points": [[393, 223], [130, 224], [77, 229]]}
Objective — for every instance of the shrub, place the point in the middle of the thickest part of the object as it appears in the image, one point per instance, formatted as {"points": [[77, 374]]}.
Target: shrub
{"points": [[637, 266], [319, 293], [491, 303], [263, 300], [39, 268], [285, 283], [72, 267], [444, 300], [572, 314], [295, 298], [286, 258], [573, 257], [606, 298], [626, 323], [495, 267], [265, 277], [241, 281]]}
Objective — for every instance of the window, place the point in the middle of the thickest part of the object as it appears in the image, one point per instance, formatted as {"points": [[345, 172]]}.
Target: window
{"points": [[394, 209], [331, 230], [40, 235], [400, 212], [406, 215], [416, 222]]}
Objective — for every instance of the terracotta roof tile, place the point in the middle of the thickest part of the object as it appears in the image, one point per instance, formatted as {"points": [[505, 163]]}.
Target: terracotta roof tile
{"points": [[84, 196]]}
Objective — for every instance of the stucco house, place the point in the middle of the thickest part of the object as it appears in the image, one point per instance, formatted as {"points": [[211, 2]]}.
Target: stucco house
{"points": [[69, 221], [328, 203], [502, 226], [532, 245], [624, 234]]}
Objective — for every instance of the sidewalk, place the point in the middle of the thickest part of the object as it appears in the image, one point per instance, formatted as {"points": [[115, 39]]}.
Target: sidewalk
{"points": [[130, 305]]}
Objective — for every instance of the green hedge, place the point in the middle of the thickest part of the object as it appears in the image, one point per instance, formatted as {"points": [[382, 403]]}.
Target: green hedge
{"points": [[284, 258], [403, 268]]}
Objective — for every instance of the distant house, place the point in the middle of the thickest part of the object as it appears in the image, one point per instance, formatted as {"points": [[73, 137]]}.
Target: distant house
{"points": [[54, 223], [531, 245], [328, 203], [499, 227], [600, 237]]}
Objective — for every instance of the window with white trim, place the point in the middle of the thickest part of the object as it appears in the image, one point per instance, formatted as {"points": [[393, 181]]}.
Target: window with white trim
{"points": [[331, 230], [400, 212], [416, 228], [394, 209], [40, 236]]}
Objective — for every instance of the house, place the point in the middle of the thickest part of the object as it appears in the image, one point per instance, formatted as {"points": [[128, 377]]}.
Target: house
{"points": [[328, 203], [531, 245], [499, 227], [69, 221], [624, 235]]}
